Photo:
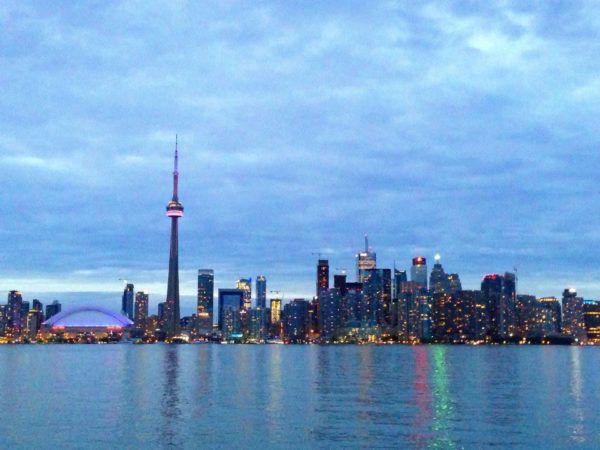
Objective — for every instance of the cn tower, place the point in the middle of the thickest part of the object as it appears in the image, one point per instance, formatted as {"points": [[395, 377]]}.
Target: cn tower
{"points": [[174, 211]]}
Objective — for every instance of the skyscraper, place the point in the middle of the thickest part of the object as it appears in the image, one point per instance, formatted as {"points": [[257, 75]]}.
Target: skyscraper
{"points": [[295, 321], [53, 308], [13, 313], [141, 313], [365, 261], [275, 318], [174, 211], [322, 275], [231, 302], [206, 286], [330, 313], [245, 284], [573, 320], [438, 280], [418, 272], [127, 301], [261, 291]]}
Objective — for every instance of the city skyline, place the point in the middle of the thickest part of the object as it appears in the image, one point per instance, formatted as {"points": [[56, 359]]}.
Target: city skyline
{"points": [[468, 131]]}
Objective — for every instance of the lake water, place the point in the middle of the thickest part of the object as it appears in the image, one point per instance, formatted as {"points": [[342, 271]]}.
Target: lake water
{"points": [[275, 396]]}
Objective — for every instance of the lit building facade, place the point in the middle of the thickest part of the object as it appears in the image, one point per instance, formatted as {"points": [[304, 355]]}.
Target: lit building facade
{"points": [[573, 321], [591, 316], [245, 285], [365, 261], [204, 306], [418, 272]]}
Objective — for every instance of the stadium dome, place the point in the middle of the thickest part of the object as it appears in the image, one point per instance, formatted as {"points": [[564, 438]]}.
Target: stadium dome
{"points": [[88, 317]]}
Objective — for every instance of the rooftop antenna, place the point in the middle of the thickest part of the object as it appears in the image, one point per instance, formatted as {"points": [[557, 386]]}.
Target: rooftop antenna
{"points": [[366, 243]]}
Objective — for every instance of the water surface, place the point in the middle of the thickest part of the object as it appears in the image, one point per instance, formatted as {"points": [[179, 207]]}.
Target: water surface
{"points": [[274, 396]]}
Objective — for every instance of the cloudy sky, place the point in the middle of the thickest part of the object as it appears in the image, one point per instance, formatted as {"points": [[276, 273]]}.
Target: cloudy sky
{"points": [[465, 128]]}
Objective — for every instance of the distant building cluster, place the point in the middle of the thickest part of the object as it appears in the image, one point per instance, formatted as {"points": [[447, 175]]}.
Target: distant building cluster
{"points": [[381, 305]]}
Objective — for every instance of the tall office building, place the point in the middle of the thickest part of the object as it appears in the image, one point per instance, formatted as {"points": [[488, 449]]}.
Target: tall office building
{"points": [[365, 261], [162, 314], [53, 308], [127, 301], [174, 212], [261, 291], [245, 284], [400, 279], [322, 275], [500, 294], [35, 317], [573, 320], [231, 303], [206, 287], [408, 312], [438, 280], [418, 272], [454, 284], [13, 313], [24, 313], [141, 313]]}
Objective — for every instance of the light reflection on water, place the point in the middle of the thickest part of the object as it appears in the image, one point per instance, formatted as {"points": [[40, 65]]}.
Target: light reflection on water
{"points": [[277, 396]]}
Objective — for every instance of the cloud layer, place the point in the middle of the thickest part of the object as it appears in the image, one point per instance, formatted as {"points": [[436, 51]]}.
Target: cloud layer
{"points": [[459, 127]]}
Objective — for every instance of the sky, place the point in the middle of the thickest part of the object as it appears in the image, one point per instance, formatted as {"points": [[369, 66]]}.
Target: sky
{"points": [[464, 128]]}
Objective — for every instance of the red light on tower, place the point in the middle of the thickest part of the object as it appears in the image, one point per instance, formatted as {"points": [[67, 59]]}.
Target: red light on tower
{"points": [[419, 261]]}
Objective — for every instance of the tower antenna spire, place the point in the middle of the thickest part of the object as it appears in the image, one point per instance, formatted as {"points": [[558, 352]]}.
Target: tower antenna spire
{"points": [[176, 156], [175, 172], [366, 242]]}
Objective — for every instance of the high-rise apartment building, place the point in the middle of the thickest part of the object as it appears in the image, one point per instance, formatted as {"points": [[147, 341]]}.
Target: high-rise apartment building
{"points": [[330, 313], [261, 292], [140, 313], [13, 313], [127, 301], [206, 287], [573, 319]]}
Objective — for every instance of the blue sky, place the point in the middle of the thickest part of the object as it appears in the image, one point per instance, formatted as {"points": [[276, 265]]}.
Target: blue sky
{"points": [[465, 128]]}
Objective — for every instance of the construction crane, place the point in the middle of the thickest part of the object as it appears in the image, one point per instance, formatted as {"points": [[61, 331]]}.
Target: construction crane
{"points": [[341, 269], [277, 294], [317, 253]]}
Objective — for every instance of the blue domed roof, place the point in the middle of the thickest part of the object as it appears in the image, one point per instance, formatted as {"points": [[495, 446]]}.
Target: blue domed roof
{"points": [[88, 316]]}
